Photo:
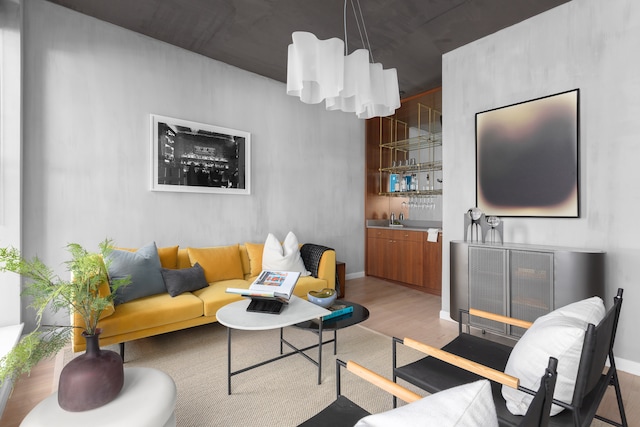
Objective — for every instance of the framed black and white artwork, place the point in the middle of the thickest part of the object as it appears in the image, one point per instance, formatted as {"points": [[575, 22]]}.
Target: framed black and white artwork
{"points": [[199, 158]]}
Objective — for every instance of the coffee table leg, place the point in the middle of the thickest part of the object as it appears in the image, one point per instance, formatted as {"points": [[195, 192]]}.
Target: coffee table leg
{"points": [[320, 353], [335, 342], [229, 361]]}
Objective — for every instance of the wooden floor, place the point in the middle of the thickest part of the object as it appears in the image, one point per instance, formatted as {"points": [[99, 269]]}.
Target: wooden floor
{"points": [[395, 311]]}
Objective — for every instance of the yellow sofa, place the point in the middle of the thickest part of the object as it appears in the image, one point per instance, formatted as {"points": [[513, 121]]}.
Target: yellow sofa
{"points": [[161, 313]]}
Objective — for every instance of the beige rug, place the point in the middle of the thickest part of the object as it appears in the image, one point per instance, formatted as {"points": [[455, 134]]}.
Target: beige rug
{"points": [[283, 393]]}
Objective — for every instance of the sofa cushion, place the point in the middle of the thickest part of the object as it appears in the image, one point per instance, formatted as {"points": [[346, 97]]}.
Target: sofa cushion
{"points": [[246, 263], [559, 334], [219, 262], [184, 280], [168, 255], [283, 257], [183, 258], [152, 311], [468, 405], [255, 257], [215, 295], [143, 269]]}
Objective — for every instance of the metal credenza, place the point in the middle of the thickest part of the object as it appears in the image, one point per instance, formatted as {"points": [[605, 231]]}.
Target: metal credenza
{"points": [[521, 281]]}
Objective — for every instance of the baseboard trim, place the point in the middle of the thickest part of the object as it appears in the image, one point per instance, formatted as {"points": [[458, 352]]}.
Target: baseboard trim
{"points": [[444, 315], [356, 275], [628, 366]]}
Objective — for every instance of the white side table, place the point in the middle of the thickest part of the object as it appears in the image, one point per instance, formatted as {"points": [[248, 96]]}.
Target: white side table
{"points": [[147, 399]]}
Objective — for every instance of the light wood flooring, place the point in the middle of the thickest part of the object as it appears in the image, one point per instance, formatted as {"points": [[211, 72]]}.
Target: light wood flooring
{"points": [[395, 311]]}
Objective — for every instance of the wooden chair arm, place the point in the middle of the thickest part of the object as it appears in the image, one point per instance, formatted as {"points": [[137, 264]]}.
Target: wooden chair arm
{"points": [[466, 364], [382, 382], [499, 318]]}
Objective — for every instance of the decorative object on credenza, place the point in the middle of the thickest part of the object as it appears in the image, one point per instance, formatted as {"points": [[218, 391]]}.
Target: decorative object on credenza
{"points": [[474, 225], [527, 158], [320, 70], [88, 294], [324, 298], [496, 230], [199, 158]]}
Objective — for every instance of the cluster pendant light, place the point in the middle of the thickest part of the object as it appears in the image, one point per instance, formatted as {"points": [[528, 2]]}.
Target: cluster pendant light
{"points": [[322, 70]]}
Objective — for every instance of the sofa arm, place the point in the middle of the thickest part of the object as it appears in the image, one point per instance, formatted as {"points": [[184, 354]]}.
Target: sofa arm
{"points": [[327, 268]]}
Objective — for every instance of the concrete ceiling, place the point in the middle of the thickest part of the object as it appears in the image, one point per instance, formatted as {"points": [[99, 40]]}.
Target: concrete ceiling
{"points": [[409, 35]]}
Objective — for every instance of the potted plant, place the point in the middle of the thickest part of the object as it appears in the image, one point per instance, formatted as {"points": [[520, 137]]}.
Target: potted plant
{"points": [[86, 293]]}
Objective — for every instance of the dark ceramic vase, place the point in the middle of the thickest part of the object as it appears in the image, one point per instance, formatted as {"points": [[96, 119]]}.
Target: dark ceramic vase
{"points": [[92, 379]]}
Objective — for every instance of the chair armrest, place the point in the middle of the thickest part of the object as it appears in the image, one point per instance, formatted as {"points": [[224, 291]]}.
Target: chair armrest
{"points": [[500, 318], [382, 382], [462, 363]]}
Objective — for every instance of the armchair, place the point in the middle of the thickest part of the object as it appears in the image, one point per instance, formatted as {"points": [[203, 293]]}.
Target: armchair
{"points": [[468, 405], [468, 356]]}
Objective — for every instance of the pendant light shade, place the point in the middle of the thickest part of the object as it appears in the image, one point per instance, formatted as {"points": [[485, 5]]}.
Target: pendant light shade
{"points": [[384, 96], [318, 70], [314, 67], [356, 83]]}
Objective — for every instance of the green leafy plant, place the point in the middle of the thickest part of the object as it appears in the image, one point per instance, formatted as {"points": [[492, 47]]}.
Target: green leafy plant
{"points": [[80, 294]]}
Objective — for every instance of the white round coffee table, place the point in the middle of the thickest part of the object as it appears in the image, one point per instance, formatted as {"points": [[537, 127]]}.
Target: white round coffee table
{"points": [[236, 316], [147, 399]]}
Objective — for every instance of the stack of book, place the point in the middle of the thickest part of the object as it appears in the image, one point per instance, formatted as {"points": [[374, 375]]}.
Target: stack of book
{"points": [[270, 292], [338, 310]]}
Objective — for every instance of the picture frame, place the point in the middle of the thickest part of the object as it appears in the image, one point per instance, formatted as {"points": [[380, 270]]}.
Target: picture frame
{"points": [[192, 157], [528, 159]]}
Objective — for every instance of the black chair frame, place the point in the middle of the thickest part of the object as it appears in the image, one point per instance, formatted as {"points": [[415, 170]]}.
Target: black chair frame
{"points": [[343, 412], [434, 374]]}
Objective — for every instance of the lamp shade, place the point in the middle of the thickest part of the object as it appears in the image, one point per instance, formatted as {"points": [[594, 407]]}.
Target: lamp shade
{"points": [[384, 97], [356, 83], [315, 67], [317, 70]]}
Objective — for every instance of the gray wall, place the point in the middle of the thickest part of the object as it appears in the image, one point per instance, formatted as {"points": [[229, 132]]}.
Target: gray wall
{"points": [[89, 88], [585, 44], [10, 153]]}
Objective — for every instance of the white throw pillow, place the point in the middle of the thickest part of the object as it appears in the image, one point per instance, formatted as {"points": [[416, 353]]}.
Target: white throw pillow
{"points": [[590, 310], [468, 405], [285, 257], [559, 334]]}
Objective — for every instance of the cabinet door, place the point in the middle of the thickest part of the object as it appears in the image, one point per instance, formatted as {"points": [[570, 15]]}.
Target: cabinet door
{"points": [[488, 285], [395, 255], [409, 262], [376, 256], [531, 285], [432, 266], [407, 257]]}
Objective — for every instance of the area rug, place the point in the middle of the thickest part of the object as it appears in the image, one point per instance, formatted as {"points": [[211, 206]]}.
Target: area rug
{"points": [[282, 393]]}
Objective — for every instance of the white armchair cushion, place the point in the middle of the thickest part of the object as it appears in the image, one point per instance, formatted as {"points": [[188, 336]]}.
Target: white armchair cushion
{"points": [[559, 334], [283, 257], [468, 405]]}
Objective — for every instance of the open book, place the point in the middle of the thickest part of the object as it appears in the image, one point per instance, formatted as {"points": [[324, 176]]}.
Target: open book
{"points": [[277, 285]]}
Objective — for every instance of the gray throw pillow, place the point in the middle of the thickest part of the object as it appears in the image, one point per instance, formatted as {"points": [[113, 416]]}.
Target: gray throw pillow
{"points": [[184, 279], [143, 268]]}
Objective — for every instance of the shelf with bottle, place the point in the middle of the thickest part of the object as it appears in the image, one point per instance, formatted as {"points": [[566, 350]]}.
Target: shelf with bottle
{"points": [[435, 165], [410, 153], [413, 193], [427, 140], [413, 185]]}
